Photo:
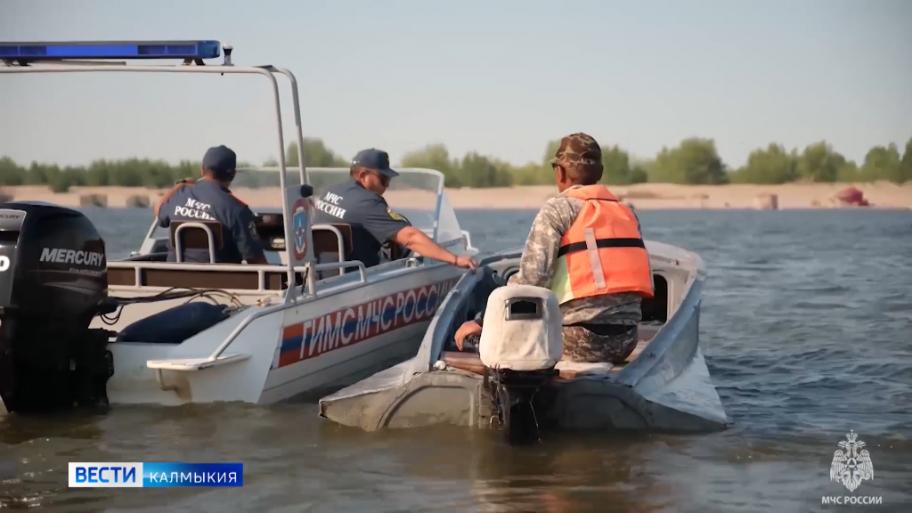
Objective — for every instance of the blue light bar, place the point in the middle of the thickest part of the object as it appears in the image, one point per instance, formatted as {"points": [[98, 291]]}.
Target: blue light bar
{"points": [[119, 50]]}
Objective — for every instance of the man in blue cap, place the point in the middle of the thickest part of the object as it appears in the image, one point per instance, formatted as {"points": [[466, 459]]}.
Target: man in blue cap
{"points": [[359, 203], [209, 199]]}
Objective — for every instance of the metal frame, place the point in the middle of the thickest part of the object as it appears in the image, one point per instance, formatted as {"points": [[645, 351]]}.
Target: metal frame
{"points": [[267, 71], [419, 170], [178, 247]]}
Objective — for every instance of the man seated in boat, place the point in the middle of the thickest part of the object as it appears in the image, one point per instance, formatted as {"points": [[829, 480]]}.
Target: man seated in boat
{"points": [[359, 203], [209, 199], [588, 249]]}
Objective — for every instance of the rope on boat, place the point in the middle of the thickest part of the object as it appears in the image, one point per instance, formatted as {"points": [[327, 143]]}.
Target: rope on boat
{"points": [[167, 295]]}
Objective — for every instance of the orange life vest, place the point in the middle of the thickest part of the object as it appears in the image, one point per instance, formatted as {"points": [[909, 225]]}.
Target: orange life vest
{"points": [[603, 251]]}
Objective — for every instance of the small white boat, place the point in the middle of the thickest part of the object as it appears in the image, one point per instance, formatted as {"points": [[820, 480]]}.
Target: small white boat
{"points": [[663, 385], [75, 328]]}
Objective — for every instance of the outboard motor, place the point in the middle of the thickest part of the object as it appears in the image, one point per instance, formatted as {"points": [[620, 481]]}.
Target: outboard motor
{"points": [[53, 281], [520, 345]]}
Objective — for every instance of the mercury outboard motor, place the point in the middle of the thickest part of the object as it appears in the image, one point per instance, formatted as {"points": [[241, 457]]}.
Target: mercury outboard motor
{"points": [[53, 281], [520, 345]]}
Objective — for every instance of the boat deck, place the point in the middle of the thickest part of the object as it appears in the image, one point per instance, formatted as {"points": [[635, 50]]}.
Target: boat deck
{"points": [[471, 362]]}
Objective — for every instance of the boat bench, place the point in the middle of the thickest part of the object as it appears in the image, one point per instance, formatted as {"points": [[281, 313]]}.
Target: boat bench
{"points": [[471, 362]]}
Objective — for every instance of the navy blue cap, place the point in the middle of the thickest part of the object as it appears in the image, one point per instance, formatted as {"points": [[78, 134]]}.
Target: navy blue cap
{"points": [[375, 159], [220, 159]]}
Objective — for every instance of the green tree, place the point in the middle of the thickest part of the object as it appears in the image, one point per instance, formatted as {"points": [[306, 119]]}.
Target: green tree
{"points": [[819, 163], [618, 169], [538, 174], [532, 174], [772, 165], [435, 156], [316, 154], [883, 163], [695, 161], [905, 166], [850, 172], [10, 172], [479, 171], [37, 175]]}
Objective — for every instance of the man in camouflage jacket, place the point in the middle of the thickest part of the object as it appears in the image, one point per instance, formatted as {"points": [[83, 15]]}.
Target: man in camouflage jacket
{"points": [[595, 329]]}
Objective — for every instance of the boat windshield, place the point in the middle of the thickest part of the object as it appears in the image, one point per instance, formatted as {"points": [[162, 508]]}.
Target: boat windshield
{"points": [[412, 193], [415, 193]]}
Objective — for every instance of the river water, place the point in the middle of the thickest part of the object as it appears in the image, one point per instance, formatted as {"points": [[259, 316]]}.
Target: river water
{"points": [[807, 331]]}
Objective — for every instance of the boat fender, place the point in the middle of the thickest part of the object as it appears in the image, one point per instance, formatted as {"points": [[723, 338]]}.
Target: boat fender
{"points": [[175, 325]]}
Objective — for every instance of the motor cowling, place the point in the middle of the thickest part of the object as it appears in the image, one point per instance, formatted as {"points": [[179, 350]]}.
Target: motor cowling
{"points": [[520, 345], [53, 281]]}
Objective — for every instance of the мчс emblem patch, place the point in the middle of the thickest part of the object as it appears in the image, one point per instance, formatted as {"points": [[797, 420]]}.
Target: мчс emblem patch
{"points": [[395, 215]]}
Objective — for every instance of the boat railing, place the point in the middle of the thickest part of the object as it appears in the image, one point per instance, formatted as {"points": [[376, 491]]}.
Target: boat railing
{"points": [[468, 241], [261, 270], [343, 265]]}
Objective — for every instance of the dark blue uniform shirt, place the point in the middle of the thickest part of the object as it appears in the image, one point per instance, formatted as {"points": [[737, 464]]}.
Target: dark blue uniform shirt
{"points": [[371, 220], [208, 200]]}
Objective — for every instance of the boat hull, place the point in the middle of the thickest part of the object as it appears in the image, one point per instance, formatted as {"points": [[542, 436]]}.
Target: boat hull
{"points": [[667, 387], [459, 399], [320, 344]]}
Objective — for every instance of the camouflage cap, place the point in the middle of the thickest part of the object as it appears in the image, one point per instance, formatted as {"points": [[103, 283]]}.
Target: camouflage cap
{"points": [[578, 148]]}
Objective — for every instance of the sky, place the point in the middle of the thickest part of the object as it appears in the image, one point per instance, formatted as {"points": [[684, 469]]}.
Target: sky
{"points": [[500, 77]]}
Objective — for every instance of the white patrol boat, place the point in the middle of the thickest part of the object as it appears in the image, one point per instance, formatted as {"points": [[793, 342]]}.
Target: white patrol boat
{"points": [[77, 329]]}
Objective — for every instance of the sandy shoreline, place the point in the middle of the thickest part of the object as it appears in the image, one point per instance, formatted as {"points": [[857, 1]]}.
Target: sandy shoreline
{"points": [[649, 196]]}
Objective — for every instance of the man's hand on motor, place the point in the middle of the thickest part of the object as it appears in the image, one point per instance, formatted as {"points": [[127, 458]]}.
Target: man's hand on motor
{"points": [[467, 329]]}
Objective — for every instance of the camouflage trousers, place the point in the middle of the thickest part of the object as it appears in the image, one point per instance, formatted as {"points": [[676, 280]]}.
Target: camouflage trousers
{"points": [[599, 343]]}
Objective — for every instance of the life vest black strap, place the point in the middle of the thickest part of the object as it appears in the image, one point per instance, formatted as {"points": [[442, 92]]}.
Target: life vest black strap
{"points": [[602, 243]]}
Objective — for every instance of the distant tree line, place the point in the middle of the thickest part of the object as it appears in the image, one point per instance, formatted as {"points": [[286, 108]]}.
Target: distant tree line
{"points": [[694, 161]]}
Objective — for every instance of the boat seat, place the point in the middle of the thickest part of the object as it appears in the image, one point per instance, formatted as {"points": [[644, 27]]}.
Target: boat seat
{"points": [[471, 362], [271, 229], [327, 244], [192, 237], [325, 240]]}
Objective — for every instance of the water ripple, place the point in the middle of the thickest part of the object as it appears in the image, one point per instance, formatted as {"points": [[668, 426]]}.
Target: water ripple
{"points": [[807, 331]]}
